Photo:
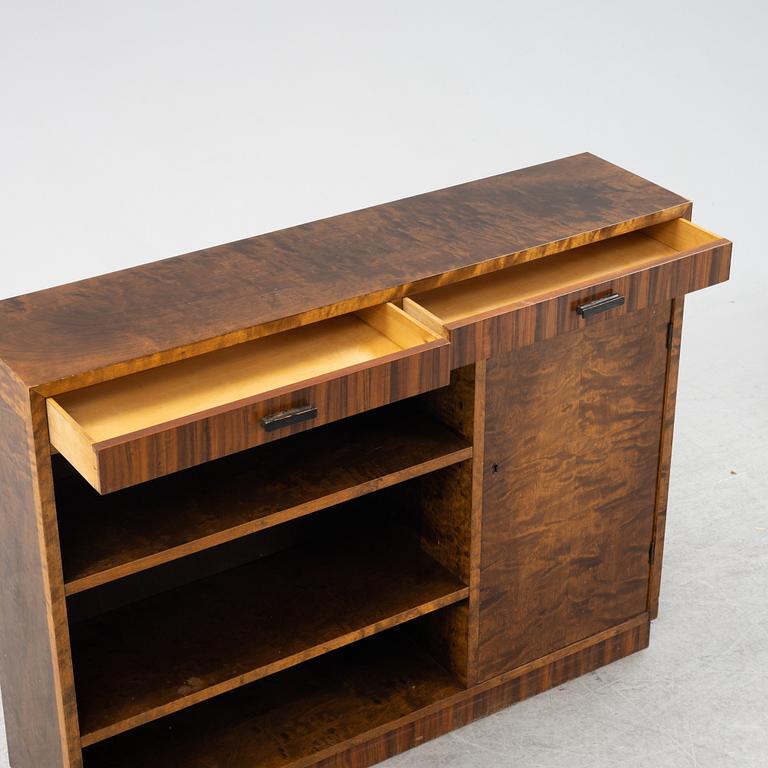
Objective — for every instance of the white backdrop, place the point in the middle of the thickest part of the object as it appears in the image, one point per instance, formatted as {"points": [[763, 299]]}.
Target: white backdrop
{"points": [[132, 131]]}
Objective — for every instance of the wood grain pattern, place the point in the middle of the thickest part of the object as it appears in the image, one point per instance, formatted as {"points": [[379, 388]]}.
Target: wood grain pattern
{"points": [[571, 458], [35, 668], [184, 391], [350, 709], [559, 274], [562, 273], [507, 550], [97, 329], [444, 504], [168, 652], [520, 326], [173, 446], [445, 636], [478, 494], [282, 719], [665, 456], [108, 537], [462, 405], [483, 700]]}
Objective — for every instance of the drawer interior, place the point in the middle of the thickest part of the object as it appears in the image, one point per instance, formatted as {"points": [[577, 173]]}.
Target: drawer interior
{"points": [[190, 389], [558, 274]]}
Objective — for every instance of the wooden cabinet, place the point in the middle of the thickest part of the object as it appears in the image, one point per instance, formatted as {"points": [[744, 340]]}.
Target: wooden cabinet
{"points": [[315, 497]]}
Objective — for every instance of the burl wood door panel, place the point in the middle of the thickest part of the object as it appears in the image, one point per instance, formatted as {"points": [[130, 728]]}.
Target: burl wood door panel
{"points": [[572, 437]]}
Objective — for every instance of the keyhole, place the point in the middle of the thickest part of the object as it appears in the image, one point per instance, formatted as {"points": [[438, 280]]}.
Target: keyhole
{"points": [[494, 468]]}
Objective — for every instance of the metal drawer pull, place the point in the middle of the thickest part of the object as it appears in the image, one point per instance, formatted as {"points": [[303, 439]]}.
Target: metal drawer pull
{"points": [[600, 305], [286, 418]]}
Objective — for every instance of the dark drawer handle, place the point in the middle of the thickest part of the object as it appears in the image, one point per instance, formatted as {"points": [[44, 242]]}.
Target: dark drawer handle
{"points": [[600, 305], [286, 418]]}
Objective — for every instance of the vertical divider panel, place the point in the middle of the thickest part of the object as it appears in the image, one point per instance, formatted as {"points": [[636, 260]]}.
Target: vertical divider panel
{"points": [[478, 475], [451, 508]]}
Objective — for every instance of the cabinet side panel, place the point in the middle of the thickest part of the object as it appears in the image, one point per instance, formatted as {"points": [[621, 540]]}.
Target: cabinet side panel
{"points": [[37, 713], [665, 456]]}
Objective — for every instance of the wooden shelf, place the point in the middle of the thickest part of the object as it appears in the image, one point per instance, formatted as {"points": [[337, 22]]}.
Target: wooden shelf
{"points": [[148, 659], [105, 538], [304, 712]]}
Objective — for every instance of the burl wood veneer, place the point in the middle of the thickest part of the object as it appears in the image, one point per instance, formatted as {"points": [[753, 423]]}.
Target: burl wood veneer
{"points": [[315, 497]]}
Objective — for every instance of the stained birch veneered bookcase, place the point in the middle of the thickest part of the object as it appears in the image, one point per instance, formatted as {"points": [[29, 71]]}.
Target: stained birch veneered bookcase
{"points": [[315, 497]]}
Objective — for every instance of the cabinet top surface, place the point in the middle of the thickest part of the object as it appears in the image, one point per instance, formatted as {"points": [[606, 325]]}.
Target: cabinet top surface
{"points": [[107, 326]]}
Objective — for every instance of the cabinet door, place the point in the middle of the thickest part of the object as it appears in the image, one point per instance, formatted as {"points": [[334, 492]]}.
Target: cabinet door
{"points": [[572, 434]]}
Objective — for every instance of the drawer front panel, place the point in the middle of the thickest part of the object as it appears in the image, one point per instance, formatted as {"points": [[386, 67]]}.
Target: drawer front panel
{"points": [[145, 457], [526, 325]]}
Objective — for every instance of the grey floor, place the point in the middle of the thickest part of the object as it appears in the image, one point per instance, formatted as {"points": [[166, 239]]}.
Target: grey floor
{"points": [[699, 695]]}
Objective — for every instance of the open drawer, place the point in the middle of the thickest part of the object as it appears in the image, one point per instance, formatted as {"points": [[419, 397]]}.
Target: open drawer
{"points": [[152, 423], [511, 308]]}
